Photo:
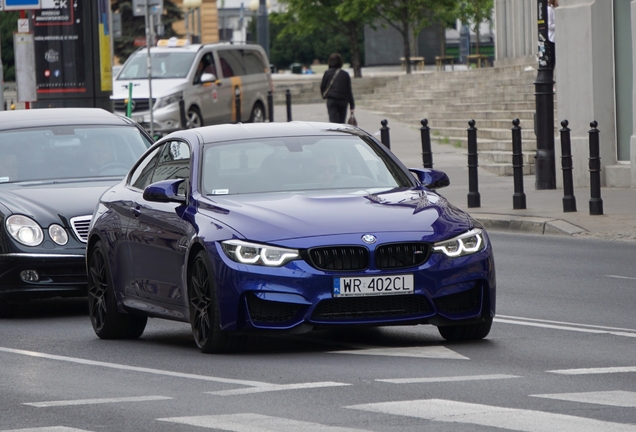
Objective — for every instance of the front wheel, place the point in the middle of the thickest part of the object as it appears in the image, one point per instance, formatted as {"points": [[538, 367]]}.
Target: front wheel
{"points": [[194, 118], [204, 310], [466, 331], [107, 322]]}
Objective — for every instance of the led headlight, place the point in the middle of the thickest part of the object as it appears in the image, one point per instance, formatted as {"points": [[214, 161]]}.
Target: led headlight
{"points": [[25, 230], [253, 253], [58, 234], [169, 100], [465, 244]]}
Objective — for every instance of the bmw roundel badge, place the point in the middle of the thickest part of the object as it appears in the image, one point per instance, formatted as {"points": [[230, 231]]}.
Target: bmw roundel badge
{"points": [[369, 238]]}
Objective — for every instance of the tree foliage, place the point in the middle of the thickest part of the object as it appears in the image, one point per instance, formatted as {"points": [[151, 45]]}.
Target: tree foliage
{"points": [[134, 27], [476, 12], [8, 25]]}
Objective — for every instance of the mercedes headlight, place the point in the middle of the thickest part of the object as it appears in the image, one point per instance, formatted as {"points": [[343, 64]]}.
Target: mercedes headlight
{"points": [[253, 253], [169, 100], [25, 230], [465, 244], [58, 234]]}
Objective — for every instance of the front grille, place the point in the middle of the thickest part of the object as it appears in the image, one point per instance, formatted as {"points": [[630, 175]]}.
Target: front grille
{"points": [[339, 258], [80, 226], [401, 255], [371, 307], [264, 311], [464, 301], [138, 105]]}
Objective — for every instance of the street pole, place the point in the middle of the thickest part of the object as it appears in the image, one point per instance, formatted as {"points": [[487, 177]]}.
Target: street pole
{"points": [[149, 64], [263, 26], [545, 165]]}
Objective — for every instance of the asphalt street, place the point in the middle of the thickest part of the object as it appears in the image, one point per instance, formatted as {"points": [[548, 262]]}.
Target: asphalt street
{"points": [[560, 357]]}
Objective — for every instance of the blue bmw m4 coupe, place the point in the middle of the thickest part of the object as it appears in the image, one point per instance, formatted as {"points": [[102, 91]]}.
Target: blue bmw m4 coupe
{"points": [[284, 227]]}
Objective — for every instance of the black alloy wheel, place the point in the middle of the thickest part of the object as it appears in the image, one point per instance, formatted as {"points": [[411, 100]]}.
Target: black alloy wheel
{"points": [[107, 322]]}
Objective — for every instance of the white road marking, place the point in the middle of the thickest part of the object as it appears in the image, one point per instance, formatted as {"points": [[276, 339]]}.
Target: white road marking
{"points": [[47, 429], [616, 398], [436, 352], [620, 277], [583, 328], [276, 387], [567, 323], [594, 371], [95, 401], [493, 416], [133, 368], [447, 379], [255, 423]]}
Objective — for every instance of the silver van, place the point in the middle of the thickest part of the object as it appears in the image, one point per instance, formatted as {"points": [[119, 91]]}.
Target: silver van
{"points": [[206, 77]]}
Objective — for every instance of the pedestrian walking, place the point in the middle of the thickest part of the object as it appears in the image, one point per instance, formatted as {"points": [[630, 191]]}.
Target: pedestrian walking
{"points": [[336, 89]]}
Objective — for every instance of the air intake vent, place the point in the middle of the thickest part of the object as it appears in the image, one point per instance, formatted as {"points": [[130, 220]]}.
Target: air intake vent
{"points": [[371, 307], [340, 258], [80, 226], [137, 106], [401, 255], [464, 301], [264, 311]]}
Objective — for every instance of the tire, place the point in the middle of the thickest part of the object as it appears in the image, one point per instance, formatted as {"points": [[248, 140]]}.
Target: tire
{"points": [[193, 118], [204, 310], [258, 113], [107, 322], [464, 332]]}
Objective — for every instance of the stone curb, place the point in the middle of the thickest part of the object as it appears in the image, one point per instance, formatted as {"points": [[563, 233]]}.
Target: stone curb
{"points": [[527, 224]]}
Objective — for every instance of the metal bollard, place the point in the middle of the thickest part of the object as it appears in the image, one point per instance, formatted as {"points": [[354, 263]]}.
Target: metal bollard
{"points": [[569, 201], [427, 154], [519, 197], [237, 103], [270, 106], [596, 203], [288, 102], [182, 115], [384, 134], [474, 200]]}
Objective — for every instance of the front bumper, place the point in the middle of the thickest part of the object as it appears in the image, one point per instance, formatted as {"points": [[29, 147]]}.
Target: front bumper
{"points": [[165, 120]]}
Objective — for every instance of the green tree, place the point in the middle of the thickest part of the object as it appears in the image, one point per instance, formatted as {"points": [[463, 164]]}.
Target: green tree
{"points": [[133, 26], [8, 25], [476, 12]]}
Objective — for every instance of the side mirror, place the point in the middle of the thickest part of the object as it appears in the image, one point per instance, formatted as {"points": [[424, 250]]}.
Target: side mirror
{"points": [[430, 178], [164, 191], [208, 78]]}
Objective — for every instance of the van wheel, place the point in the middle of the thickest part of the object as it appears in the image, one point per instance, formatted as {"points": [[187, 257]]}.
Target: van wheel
{"points": [[258, 114], [194, 119]]}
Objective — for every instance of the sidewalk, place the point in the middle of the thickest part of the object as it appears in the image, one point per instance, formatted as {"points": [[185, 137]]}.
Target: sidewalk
{"points": [[544, 213]]}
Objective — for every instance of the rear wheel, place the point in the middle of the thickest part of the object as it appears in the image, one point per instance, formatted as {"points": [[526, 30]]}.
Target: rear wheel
{"points": [[258, 113], [204, 310], [107, 322], [466, 331], [194, 118]]}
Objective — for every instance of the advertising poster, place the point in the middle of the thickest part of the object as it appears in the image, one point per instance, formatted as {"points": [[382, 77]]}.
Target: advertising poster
{"points": [[105, 55], [59, 44]]}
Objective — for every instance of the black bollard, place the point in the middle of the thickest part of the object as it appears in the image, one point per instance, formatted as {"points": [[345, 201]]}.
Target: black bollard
{"points": [[270, 106], [288, 102], [182, 115], [596, 203], [474, 200], [237, 103], [427, 154], [569, 201], [384, 134], [519, 197]]}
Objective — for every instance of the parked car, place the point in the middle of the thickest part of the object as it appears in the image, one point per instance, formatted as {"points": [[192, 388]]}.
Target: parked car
{"points": [[284, 227], [205, 77], [54, 165]]}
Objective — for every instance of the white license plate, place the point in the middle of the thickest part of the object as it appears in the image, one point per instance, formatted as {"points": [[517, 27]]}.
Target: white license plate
{"points": [[372, 286]]}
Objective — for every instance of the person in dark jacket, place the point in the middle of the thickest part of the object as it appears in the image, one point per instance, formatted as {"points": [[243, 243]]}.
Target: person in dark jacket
{"points": [[336, 88]]}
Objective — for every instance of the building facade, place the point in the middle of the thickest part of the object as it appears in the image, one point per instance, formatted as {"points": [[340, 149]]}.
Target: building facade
{"points": [[595, 76]]}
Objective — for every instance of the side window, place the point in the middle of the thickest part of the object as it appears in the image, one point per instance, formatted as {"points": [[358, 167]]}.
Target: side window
{"points": [[206, 65], [140, 178], [174, 163], [254, 63], [231, 62]]}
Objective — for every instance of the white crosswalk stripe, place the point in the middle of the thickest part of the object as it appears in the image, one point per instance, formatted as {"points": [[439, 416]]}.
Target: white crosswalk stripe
{"points": [[594, 371], [273, 387], [493, 416], [249, 422], [95, 401], [47, 429], [616, 398], [434, 352], [447, 379]]}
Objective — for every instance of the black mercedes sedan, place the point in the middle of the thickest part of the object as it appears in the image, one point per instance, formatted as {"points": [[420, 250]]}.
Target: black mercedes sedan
{"points": [[54, 165]]}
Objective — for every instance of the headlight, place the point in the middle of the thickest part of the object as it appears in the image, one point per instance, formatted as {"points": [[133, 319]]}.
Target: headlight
{"points": [[25, 230], [252, 253], [465, 244], [58, 234], [168, 100]]}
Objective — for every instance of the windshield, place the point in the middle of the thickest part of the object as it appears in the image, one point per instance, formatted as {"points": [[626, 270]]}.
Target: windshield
{"points": [[299, 163], [165, 65], [69, 152]]}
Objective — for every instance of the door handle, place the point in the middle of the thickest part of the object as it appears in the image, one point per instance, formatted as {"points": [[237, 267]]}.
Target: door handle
{"points": [[135, 211]]}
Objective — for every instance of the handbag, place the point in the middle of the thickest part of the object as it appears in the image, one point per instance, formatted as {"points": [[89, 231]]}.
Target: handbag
{"points": [[352, 120], [324, 95]]}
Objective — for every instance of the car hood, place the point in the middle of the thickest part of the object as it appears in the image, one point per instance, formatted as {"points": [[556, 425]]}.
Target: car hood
{"points": [[49, 202], [160, 88], [281, 216]]}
